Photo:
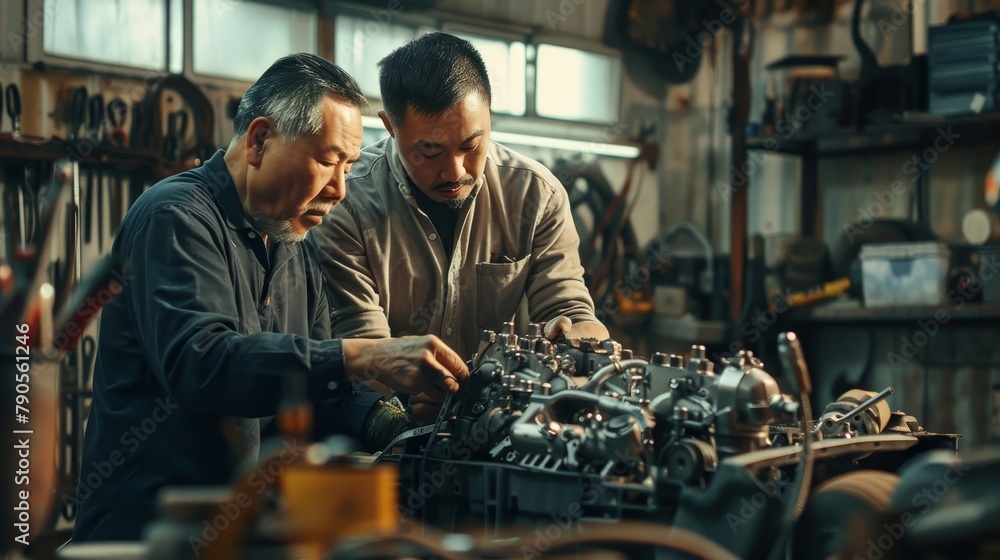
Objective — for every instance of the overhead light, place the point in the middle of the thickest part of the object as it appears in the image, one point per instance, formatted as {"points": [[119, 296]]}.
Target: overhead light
{"points": [[596, 148]]}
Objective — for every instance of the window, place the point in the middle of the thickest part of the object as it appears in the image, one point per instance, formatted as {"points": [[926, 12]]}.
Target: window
{"points": [[123, 32], [577, 85], [239, 40], [360, 43], [506, 65]]}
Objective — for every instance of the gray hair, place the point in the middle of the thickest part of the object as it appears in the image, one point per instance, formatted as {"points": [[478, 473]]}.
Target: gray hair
{"points": [[290, 93]]}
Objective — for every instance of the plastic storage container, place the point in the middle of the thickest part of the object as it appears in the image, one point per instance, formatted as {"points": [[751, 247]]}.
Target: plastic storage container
{"points": [[904, 274]]}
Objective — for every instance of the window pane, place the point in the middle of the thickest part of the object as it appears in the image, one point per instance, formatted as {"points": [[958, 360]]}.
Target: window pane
{"points": [[125, 32], [505, 64], [577, 85], [239, 40], [177, 36], [360, 43]]}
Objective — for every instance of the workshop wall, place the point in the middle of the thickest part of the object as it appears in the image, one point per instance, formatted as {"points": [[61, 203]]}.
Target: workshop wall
{"points": [[945, 395], [695, 156]]}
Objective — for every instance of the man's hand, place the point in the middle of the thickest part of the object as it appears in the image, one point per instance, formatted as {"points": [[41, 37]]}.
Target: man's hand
{"points": [[411, 364], [423, 410], [562, 325]]}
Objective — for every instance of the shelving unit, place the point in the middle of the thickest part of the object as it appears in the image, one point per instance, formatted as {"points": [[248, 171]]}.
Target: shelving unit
{"points": [[128, 173], [913, 132]]}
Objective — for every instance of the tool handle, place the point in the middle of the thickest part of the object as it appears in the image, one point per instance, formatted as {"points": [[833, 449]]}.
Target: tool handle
{"points": [[13, 96], [793, 359], [870, 402]]}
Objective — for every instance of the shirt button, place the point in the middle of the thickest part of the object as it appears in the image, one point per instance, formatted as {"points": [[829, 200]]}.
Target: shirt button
{"points": [[251, 235], [432, 236], [449, 330]]}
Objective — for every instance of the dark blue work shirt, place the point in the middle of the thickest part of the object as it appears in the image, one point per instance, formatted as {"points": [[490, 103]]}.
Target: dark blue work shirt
{"points": [[197, 348]]}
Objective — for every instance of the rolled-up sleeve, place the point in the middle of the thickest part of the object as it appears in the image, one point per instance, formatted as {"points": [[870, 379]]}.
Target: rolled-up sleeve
{"points": [[555, 285], [182, 298], [353, 292]]}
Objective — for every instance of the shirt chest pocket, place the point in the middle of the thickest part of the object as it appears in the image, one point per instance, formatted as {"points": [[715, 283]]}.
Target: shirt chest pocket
{"points": [[499, 288]]}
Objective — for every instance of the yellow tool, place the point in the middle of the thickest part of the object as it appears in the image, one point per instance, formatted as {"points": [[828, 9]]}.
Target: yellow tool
{"points": [[829, 290]]}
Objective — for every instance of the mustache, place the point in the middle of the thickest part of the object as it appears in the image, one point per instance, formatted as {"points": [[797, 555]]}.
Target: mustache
{"points": [[314, 206], [466, 181]]}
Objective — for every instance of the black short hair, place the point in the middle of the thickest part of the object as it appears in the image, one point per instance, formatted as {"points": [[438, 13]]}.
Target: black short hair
{"points": [[431, 74], [290, 92]]}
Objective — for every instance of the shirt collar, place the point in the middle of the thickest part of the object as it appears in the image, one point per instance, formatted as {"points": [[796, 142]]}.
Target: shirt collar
{"points": [[224, 191]]}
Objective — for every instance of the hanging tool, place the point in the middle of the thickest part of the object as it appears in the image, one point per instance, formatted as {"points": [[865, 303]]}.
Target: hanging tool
{"points": [[177, 122], [3, 135], [117, 113], [88, 207], [31, 195], [95, 115], [77, 113], [117, 196], [13, 97], [13, 217], [89, 348], [101, 180]]}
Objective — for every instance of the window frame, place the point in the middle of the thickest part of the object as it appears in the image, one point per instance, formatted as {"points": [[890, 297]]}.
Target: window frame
{"points": [[420, 23], [503, 35], [322, 35], [584, 46], [34, 48]]}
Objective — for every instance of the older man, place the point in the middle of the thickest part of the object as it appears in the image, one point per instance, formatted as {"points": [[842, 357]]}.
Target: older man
{"points": [[224, 306]]}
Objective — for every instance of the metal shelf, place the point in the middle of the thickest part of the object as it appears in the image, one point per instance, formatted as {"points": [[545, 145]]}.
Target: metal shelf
{"points": [[54, 149], [970, 312], [910, 131]]}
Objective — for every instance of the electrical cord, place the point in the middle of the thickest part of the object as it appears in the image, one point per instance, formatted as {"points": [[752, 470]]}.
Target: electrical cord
{"points": [[445, 407], [793, 359]]}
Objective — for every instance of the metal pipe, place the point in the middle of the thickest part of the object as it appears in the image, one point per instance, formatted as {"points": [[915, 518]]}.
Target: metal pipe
{"points": [[607, 372]]}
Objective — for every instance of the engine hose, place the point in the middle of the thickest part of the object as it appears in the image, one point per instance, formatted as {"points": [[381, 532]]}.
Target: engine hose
{"points": [[602, 375]]}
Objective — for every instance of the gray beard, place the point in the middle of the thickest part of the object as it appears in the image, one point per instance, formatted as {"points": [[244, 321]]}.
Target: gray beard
{"points": [[279, 231]]}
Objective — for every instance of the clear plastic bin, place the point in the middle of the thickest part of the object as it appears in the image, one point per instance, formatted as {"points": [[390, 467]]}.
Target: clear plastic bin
{"points": [[904, 274]]}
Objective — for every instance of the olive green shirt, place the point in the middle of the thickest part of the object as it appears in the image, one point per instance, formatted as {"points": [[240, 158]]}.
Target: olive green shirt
{"points": [[390, 275]]}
